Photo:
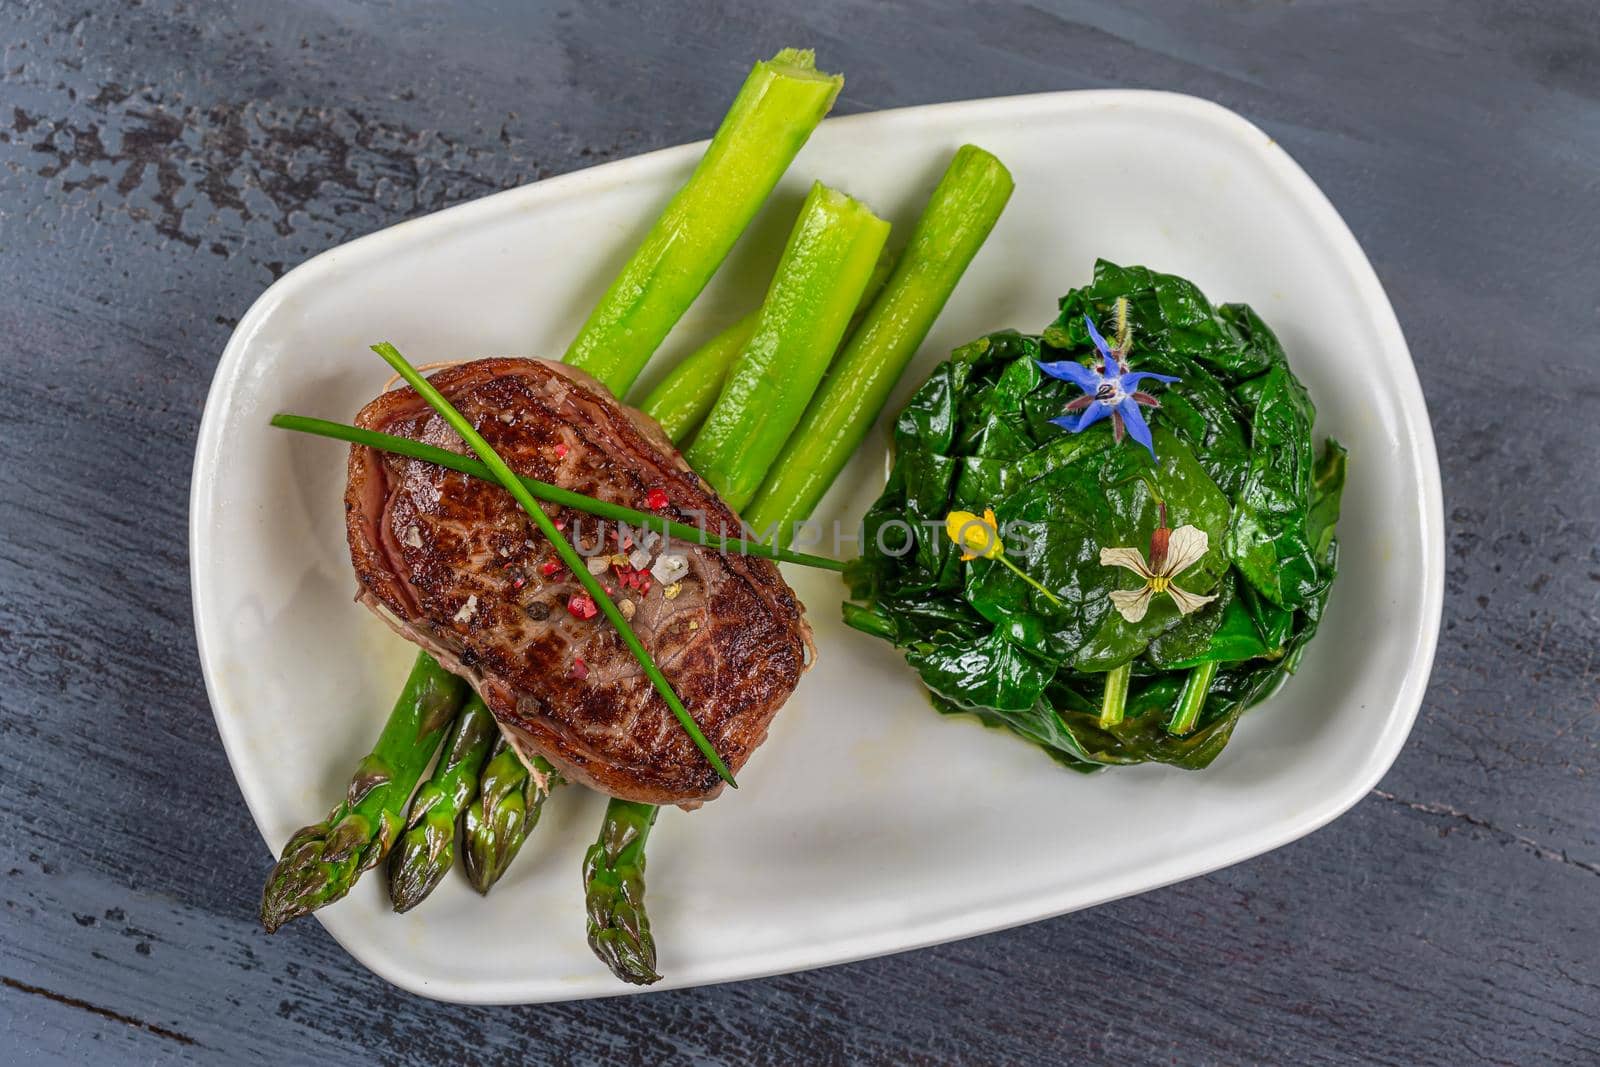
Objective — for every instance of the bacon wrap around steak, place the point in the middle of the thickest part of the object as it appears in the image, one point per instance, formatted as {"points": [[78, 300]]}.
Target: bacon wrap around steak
{"points": [[454, 564]]}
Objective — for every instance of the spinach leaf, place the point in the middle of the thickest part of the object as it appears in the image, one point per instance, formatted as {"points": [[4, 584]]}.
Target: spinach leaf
{"points": [[1268, 540], [991, 672], [1170, 314]]}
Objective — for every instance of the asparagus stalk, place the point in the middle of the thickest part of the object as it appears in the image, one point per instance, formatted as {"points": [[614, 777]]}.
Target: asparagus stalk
{"points": [[957, 220], [959, 216], [781, 102], [819, 281], [613, 871], [503, 814], [427, 849], [322, 861], [613, 893], [681, 401], [618, 927]]}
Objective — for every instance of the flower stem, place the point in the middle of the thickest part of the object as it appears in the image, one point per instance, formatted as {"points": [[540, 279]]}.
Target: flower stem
{"points": [[1115, 699], [1017, 571], [1192, 699]]}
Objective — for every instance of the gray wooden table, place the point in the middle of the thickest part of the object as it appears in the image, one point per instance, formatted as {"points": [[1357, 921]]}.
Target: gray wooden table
{"points": [[162, 162]]}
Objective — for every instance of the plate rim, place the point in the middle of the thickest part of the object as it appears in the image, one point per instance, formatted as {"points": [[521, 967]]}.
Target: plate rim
{"points": [[1415, 441]]}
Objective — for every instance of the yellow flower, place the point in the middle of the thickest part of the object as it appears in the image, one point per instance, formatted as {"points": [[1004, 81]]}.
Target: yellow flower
{"points": [[981, 538], [1171, 553], [977, 537]]}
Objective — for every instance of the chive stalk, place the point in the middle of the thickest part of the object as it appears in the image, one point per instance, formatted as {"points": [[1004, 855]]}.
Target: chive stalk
{"points": [[958, 218], [1193, 698], [824, 270], [779, 105], [569, 556], [554, 494]]}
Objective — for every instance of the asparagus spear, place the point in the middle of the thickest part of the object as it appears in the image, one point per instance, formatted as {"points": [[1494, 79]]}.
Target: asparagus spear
{"points": [[503, 814], [613, 893], [681, 401], [618, 928], [427, 850], [825, 267], [322, 861], [959, 216], [957, 220], [613, 871], [779, 105]]}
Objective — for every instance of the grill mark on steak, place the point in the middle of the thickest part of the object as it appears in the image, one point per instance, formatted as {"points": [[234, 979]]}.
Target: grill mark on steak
{"points": [[439, 555]]}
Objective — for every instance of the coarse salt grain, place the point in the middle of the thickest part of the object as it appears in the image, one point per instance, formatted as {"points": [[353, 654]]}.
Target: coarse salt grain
{"points": [[669, 567], [469, 609]]}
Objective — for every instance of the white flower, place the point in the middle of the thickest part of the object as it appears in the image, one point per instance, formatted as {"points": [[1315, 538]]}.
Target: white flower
{"points": [[1171, 553]]}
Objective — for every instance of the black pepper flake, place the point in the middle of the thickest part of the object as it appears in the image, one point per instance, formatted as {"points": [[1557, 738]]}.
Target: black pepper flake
{"points": [[538, 611]]}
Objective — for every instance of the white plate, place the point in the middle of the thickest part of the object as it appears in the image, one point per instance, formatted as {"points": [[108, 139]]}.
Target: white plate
{"points": [[867, 824]]}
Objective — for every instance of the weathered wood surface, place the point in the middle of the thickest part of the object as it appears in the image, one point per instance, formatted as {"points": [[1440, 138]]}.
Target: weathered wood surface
{"points": [[160, 163]]}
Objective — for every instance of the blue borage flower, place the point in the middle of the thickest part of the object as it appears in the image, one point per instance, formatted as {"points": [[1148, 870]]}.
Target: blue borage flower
{"points": [[1112, 390]]}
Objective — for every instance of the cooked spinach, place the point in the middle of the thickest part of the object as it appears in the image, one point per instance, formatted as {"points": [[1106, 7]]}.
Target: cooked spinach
{"points": [[1233, 456]]}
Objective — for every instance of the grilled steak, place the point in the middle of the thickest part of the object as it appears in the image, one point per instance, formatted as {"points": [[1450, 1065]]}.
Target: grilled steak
{"points": [[454, 564]]}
